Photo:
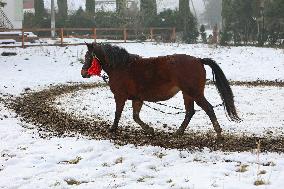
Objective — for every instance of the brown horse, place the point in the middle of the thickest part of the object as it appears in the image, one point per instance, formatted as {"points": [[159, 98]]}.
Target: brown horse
{"points": [[157, 79]]}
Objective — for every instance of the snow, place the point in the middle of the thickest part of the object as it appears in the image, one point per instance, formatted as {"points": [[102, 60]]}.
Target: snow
{"points": [[11, 33], [28, 161]]}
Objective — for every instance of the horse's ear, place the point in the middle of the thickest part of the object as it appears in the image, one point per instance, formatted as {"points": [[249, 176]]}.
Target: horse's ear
{"points": [[90, 46]]}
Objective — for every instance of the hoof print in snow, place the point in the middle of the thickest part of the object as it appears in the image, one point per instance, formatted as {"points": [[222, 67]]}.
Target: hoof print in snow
{"points": [[74, 182], [259, 182], [27, 89], [72, 161]]}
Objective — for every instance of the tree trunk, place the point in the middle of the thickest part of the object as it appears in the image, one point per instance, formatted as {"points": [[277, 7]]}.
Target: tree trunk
{"points": [[91, 6]]}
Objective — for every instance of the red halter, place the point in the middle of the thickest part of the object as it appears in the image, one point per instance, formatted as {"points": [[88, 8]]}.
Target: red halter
{"points": [[95, 69]]}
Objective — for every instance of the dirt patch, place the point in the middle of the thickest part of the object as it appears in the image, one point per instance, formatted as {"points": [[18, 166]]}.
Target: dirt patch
{"points": [[37, 108]]}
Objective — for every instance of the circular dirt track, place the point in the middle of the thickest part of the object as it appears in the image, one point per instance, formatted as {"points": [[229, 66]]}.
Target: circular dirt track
{"points": [[37, 108]]}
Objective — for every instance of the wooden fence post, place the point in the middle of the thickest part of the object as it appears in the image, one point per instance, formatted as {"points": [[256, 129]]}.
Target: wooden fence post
{"points": [[23, 38], [61, 35], [151, 34], [124, 35], [95, 34]]}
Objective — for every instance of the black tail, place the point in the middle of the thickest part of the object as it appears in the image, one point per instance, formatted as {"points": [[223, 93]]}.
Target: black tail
{"points": [[223, 87]]}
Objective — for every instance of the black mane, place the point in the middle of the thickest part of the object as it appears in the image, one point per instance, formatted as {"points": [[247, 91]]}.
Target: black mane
{"points": [[118, 57]]}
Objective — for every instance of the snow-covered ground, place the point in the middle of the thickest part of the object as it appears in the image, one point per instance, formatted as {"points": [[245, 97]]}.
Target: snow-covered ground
{"points": [[28, 161]]}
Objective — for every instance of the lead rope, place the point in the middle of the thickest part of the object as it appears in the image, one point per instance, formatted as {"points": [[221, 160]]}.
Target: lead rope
{"points": [[105, 78], [161, 111]]}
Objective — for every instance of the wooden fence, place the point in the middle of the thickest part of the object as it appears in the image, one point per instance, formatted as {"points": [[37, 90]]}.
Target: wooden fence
{"points": [[122, 34]]}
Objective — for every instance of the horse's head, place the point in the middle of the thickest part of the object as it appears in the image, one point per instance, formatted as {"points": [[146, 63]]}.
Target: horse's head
{"points": [[109, 57], [94, 52]]}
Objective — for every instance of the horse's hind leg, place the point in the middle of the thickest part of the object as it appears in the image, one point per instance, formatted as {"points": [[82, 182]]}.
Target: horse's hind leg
{"points": [[208, 108], [189, 108], [137, 105], [120, 102]]}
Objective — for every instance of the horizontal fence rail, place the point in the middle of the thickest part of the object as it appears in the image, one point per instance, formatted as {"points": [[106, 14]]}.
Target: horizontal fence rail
{"points": [[28, 36]]}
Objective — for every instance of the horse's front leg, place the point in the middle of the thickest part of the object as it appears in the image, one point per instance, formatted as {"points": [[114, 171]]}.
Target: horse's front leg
{"points": [[189, 108], [120, 102], [137, 105]]}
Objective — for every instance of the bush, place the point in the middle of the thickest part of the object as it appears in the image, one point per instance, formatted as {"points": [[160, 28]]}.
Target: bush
{"points": [[191, 33], [109, 20], [167, 18], [226, 37], [81, 19], [203, 34]]}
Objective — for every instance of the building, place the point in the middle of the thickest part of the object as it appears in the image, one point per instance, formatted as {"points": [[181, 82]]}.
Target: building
{"points": [[11, 15], [29, 6]]}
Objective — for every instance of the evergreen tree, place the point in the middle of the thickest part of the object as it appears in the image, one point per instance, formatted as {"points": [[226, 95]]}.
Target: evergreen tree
{"points": [[40, 12], [226, 13], [239, 19], [148, 9], [226, 36], [120, 6], [62, 9], [81, 19], [109, 20], [167, 18], [91, 6], [188, 22], [203, 34], [274, 8], [39, 19], [39, 9], [185, 11], [274, 21], [2, 4]]}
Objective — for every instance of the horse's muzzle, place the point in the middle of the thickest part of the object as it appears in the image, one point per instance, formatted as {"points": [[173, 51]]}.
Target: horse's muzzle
{"points": [[84, 73]]}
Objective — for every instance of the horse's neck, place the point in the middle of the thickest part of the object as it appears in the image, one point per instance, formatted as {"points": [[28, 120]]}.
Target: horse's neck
{"points": [[107, 69], [117, 73], [111, 72]]}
